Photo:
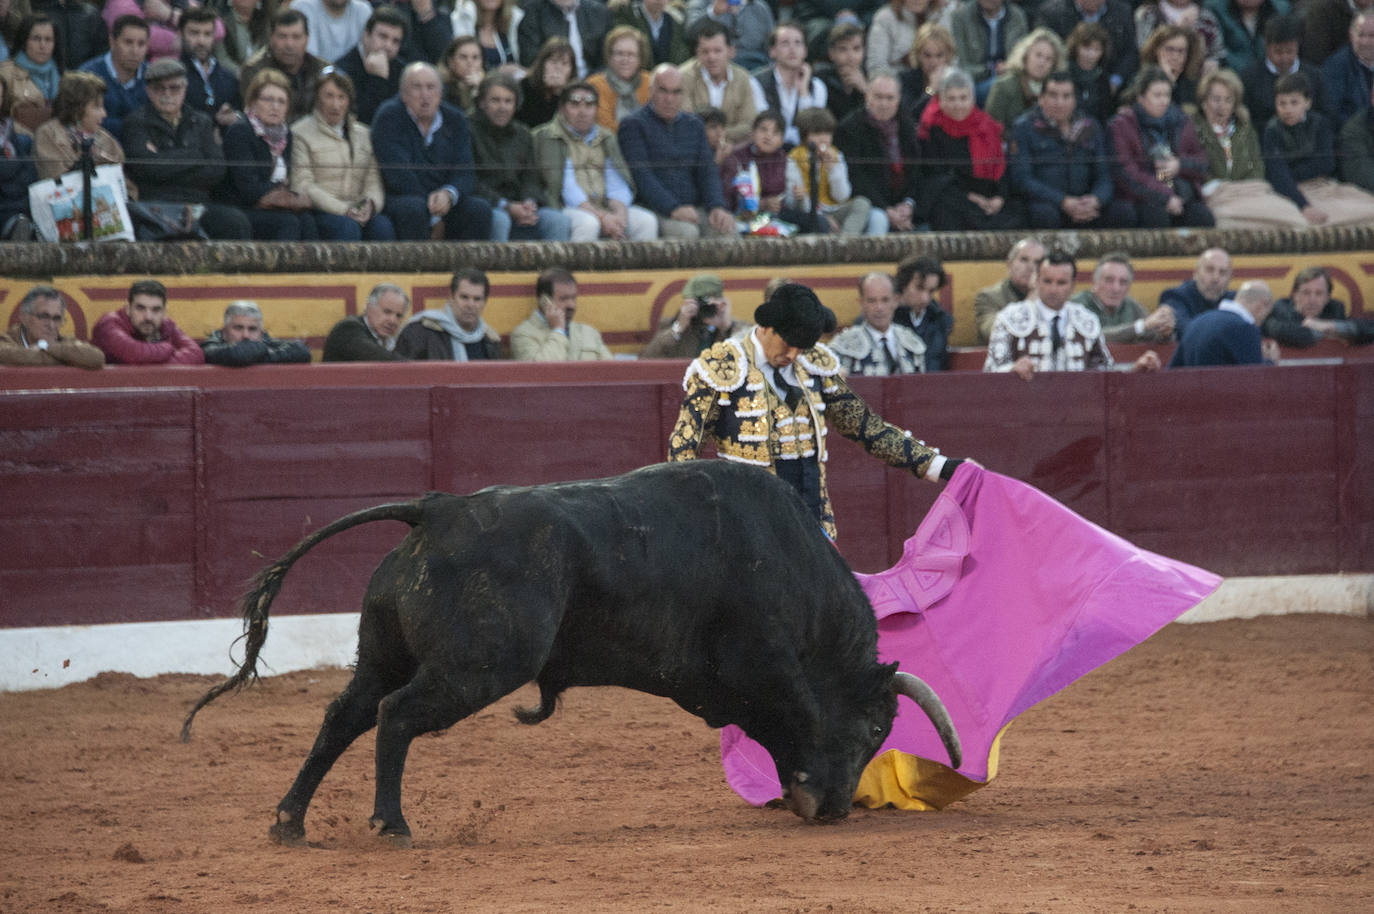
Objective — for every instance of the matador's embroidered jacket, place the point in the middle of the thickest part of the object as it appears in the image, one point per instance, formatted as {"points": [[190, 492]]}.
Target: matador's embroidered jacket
{"points": [[1020, 329], [729, 401]]}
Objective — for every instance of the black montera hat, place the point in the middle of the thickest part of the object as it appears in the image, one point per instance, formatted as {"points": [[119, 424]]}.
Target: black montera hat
{"points": [[794, 313]]}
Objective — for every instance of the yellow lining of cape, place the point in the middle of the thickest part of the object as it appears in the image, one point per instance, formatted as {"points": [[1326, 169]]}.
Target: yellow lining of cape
{"points": [[914, 783]]}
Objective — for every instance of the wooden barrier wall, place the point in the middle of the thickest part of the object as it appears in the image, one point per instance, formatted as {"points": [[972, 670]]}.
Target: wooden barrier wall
{"points": [[158, 495], [626, 305]]}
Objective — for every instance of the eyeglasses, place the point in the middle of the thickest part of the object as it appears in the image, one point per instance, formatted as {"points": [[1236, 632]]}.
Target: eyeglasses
{"points": [[50, 318], [582, 99], [167, 88]]}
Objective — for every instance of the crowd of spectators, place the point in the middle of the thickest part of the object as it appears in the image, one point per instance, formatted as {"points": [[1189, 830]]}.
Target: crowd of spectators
{"points": [[420, 120]]}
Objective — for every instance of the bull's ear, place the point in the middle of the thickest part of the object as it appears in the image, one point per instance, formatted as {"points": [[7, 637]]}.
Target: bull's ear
{"points": [[926, 699]]}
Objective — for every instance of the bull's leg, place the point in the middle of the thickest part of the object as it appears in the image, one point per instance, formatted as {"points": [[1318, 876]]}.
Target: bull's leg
{"points": [[350, 715], [431, 701]]}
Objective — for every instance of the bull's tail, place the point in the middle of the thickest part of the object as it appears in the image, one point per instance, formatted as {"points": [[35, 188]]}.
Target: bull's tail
{"points": [[257, 602]]}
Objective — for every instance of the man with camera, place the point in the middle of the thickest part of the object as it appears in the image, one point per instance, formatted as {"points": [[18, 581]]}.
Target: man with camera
{"points": [[702, 321]]}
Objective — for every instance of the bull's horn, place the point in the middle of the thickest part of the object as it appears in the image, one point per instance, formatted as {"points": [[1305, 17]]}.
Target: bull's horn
{"points": [[926, 699]]}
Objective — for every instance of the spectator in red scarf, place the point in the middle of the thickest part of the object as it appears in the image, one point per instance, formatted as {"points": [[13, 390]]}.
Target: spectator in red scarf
{"points": [[965, 167]]}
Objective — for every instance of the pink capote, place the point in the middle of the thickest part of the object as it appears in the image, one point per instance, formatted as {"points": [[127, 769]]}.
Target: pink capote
{"points": [[1001, 598]]}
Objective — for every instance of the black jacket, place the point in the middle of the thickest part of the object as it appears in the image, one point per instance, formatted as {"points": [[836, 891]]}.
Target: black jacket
{"points": [[544, 20], [223, 87], [352, 341], [187, 164], [253, 352], [863, 148], [369, 90], [248, 165]]}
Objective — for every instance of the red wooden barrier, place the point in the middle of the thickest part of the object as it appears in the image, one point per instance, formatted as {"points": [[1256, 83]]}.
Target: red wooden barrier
{"points": [[128, 504]]}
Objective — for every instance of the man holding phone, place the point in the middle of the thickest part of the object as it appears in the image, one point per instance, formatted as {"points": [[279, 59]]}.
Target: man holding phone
{"points": [[550, 334]]}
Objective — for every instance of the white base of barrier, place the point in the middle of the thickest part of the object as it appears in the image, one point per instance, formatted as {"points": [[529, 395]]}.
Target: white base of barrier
{"points": [[50, 657]]}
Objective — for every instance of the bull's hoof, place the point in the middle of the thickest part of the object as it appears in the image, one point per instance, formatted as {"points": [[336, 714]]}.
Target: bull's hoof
{"points": [[287, 831], [391, 836]]}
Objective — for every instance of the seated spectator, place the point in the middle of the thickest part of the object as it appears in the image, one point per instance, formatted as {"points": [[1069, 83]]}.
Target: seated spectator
{"points": [[123, 70], [257, 152], [32, 74], [1123, 318], [1308, 314], [966, 182], [583, 171], [1187, 14], [242, 341], [456, 332], [211, 87], [1236, 191], [919, 278], [893, 31], [496, 26], [1116, 20], [890, 183], [81, 32], [17, 172], [985, 31], [843, 75], [713, 119], [333, 166], [461, 72], [1160, 164], [1300, 160], [334, 26], [1178, 51], [1047, 332], [550, 334], [1327, 26], [674, 168], [545, 19], [931, 52], [246, 26], [1243, 23], [1357, 149], [374, 65], [370, 336], [1016, 91], [1022, 261], [818, 17], [507, 176], [764, 152], [286, 53], [788, 86], [843, 212], [1282, 38], [414, 129], [1089, 49], [1059, 162], [1204, 292], [78, 112], [711, 80], [543, 85], [1230, 335], [702, 321], [141, 333], [1347, 72], [162, 17], [174, 157], [661, 25], [428, 30], [36, 338], [749, 24], [876, 346], [623, 87]]}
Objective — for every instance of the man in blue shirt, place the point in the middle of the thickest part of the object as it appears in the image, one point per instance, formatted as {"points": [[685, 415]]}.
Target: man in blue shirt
{"points": [[424, 151], [122, 68], [1230, 334]]}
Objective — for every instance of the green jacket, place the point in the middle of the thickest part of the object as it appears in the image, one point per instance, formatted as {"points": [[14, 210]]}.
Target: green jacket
{"points": [[551, 152], [1247, 162]]}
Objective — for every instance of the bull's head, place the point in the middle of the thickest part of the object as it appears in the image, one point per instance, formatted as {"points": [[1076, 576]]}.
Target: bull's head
{"points": [[822, 787]]}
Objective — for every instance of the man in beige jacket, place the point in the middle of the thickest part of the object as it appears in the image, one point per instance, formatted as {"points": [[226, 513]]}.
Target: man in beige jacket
{"points": [[36, 339], [550, 334]]}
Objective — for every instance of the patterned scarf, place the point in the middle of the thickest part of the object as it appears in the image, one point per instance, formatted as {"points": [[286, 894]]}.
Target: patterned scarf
{"points": [[274, 137]]}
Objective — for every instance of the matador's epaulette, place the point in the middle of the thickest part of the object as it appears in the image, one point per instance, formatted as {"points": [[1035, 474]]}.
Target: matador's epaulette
{"points": [[820, 361], [723, 367]]}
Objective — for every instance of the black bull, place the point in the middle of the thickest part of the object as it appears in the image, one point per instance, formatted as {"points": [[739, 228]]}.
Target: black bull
{"points": [[705, 582]]}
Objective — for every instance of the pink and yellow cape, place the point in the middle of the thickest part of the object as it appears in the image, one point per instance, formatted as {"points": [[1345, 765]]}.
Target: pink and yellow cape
{"points": [[1001, 598]]}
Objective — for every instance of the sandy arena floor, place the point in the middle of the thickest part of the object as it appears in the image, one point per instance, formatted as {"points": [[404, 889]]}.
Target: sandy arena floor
{"points": [[1223, 767]]}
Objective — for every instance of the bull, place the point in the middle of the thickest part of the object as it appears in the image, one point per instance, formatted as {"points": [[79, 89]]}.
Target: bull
{"points": [[705, 582]]}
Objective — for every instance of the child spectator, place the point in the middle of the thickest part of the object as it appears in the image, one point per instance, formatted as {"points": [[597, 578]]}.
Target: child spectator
{"points": [[1300, 159], [713, 119], [843, 212], [764, 151]]}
